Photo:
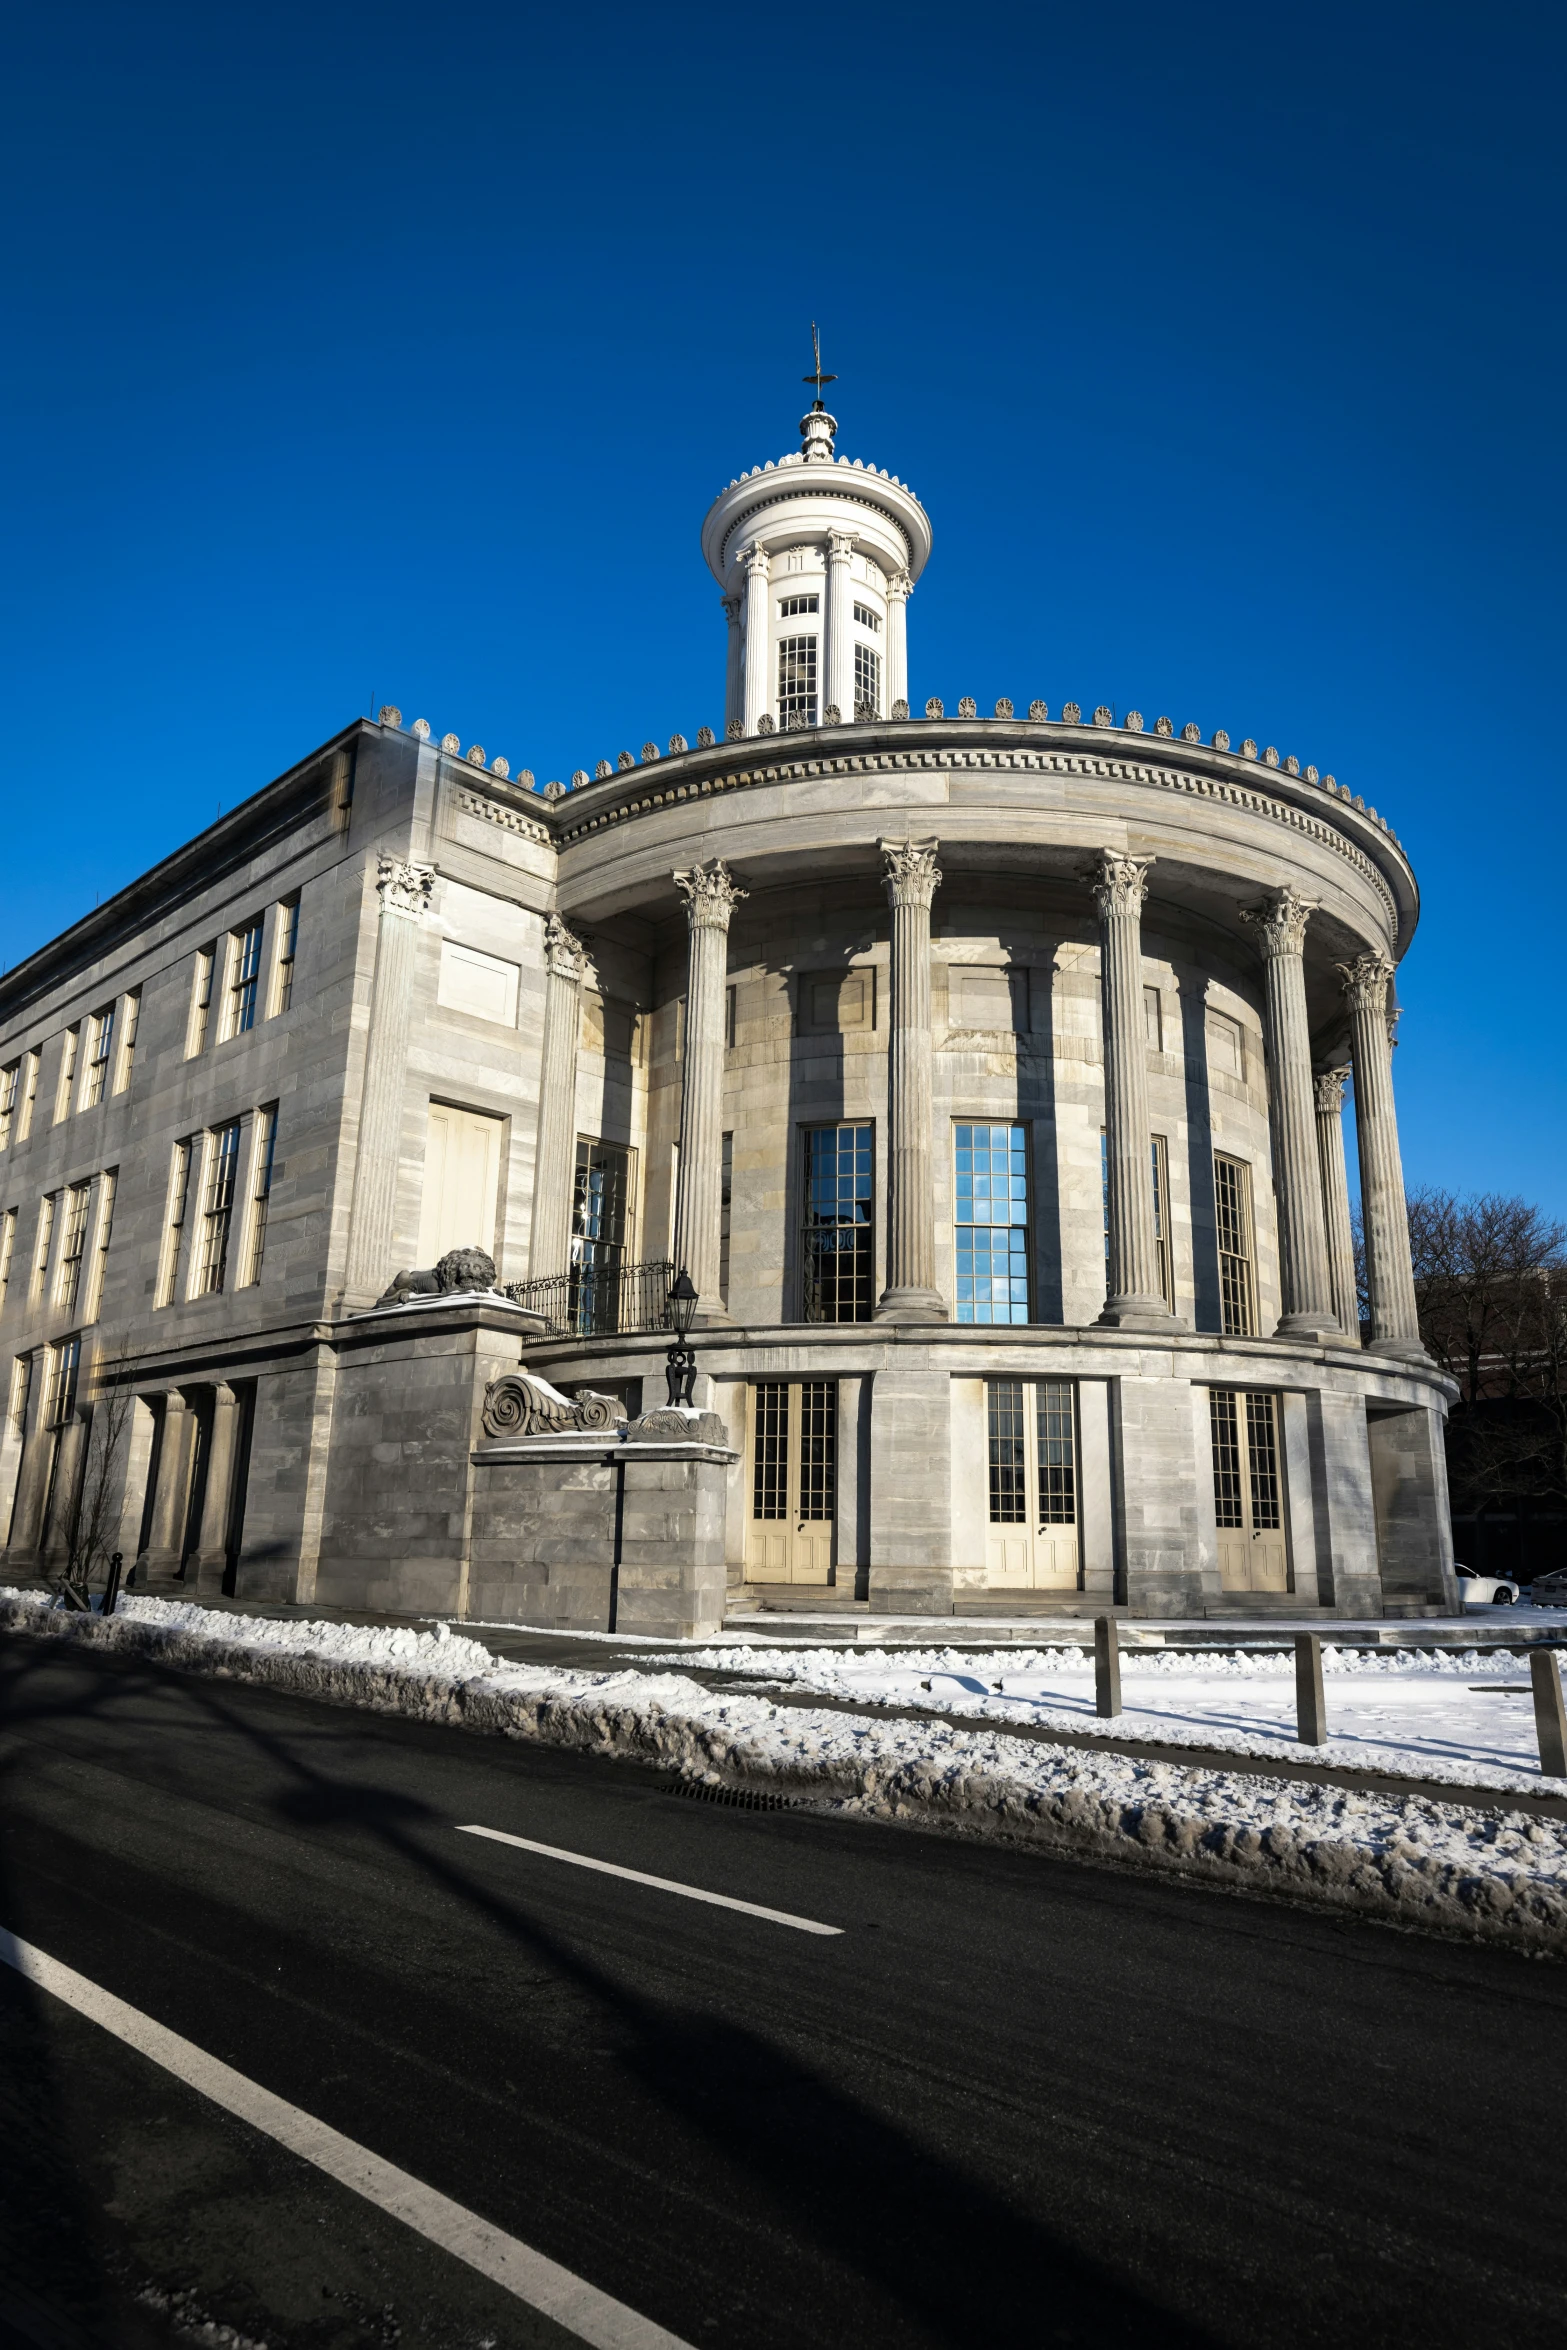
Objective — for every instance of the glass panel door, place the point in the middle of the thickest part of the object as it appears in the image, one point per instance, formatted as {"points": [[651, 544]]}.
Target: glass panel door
{"points": [[1032, 1540], [1248, 1494], [794, 1474]]}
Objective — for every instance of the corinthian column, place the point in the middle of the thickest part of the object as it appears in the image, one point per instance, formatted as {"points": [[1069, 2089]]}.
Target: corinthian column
{"points": [[404, 892], [911, 1294], [711, 895], [1335, 1202], [839, 675], [554, 1155], [1135, 1300], [1304, 1277], [758, 638], [1395, 1321], [734, 674], [899, 589]]}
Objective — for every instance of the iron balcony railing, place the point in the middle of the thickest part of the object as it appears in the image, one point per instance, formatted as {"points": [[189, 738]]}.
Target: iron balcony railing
{"points": [[599, 1301]]}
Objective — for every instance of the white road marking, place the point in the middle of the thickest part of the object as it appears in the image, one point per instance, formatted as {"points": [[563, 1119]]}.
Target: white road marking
{"points": [[609, 1868], [570, 2300]]}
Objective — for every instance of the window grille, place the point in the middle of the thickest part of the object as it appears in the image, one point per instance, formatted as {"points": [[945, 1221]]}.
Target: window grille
{"points": [[1237, 1282], [110, 1185], [217, 1208], [991, 1223], [239, 1011], [1008, 1457], [174, 1229], [261, 1193], [62, 1094], [794, 607], [1160, 1155], [770, 1492], [1056, 1438], [818, 1448], [64, 1367], [73, 1244], [128, 1048], [867, 682], [201, 1000], [287, 948], [45, 1237], [797, 681], [838, 1235], [1246, 1487], [866, 617], [10, 1080], [7, 1250]]}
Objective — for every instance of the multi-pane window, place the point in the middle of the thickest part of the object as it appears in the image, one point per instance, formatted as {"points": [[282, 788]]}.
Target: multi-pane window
{"points": [[1245, 1459], [24, 1120], [1237, 1275], [261, 1193], [797, 681], [73, 1244], [794, 607], [244, 973], [600, 1205], [770, 1473], [65, 1364], [287, 948], [108, 1187], [991, 1223], [63, 1091], [7, 1249], [10, 1083], [100, 1054], [838, 1234], [217, 1208], [1160, 1156], [46, 1208], [128, 1046], [21, 1394], [867, 682], [866, 617], [201, 1000], [726, 1186], [174, 1228]]}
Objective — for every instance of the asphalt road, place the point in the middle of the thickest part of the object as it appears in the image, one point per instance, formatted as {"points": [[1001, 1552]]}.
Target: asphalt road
{"points": [[1015, 2101]]}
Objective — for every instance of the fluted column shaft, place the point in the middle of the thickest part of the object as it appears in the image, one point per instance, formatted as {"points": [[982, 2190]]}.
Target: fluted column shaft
{"points": [[911, 1294], [1335, 1202], [555, 1149], [211, 1560], [1395, 1320], [899, 590], [1135, 1296], [404, 892], [838, 675], [758, 640], [1304, 1276], [711, 896], [160, 1561], [734, 673]]}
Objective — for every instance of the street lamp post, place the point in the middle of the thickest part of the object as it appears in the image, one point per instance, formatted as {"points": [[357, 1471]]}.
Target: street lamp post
{"points": [[680, 1362]]}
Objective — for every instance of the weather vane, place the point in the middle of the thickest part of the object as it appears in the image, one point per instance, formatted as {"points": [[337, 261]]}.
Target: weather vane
{"points": [[818, 379]]}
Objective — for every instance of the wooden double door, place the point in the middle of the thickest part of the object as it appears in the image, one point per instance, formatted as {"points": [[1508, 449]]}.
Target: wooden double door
{"points": [[1248, 1495], [1032, 1541], [794, 1475]]}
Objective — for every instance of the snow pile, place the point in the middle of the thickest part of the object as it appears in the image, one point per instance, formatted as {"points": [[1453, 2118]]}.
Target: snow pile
{"points": [[1436, 1865]]}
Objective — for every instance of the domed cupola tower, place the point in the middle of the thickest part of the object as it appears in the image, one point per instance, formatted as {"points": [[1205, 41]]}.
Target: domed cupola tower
{"points": [[816, 556]]}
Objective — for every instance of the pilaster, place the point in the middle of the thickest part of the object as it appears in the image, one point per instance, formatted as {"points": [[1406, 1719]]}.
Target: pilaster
{"points": [[404, 891]]}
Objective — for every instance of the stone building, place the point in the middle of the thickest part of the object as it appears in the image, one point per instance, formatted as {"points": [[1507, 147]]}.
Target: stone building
{"points": [[984, 1072]]}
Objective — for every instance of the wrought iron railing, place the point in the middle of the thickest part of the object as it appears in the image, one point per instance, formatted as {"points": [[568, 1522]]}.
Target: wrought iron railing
{"points": [[599, 1301]]}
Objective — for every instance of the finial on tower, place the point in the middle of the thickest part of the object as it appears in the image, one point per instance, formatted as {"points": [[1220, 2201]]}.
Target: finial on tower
{"points": [[817, 428]]}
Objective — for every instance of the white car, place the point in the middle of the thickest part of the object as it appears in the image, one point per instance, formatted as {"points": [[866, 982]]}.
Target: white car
{"points": [[1485, 1590]]}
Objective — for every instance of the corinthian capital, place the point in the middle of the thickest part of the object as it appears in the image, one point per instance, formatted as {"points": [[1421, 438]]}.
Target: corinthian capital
{"points": [[731, 606], [1280, 921], [756, 560], [404, 888], [840, 545], [564, 954], [1330, 1085], [910, 870], [1365, 980], [1120, 884], [711, 894], [900, 586]]}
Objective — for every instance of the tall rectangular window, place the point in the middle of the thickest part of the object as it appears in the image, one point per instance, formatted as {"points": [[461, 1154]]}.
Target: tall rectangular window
{"points": [[67, 1080], [287, 949], [21, 1394], [261, 1193], [7, 1249], [10, 1084], [100, 1056], [1237, 1270], [65, 1362], [600, 1214], [24, 1116], [1160, 1154], [837, 1239], [244, 972], [797, 681], [73, 1244], [46, 1208], [867, 682], [174, 1224], [122, 1075], [726, 1185], [991, 1223], [108, 1186], [200, 1001], [217, 1208]]}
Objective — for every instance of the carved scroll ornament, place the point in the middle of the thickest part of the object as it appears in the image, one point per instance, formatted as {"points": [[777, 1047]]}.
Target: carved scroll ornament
{"points": [[523, 1404]]}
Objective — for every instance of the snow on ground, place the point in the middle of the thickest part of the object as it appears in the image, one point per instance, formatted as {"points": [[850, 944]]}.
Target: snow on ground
{"points": [[1437, 1865]]}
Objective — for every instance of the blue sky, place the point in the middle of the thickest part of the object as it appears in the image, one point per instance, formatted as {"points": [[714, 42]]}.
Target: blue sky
{"points": [[394, 355]]}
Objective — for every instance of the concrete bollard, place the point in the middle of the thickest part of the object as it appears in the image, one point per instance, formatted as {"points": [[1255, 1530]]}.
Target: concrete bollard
{"points": [[1550, 1714], [1311, 1703], [1107, 1667]]}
